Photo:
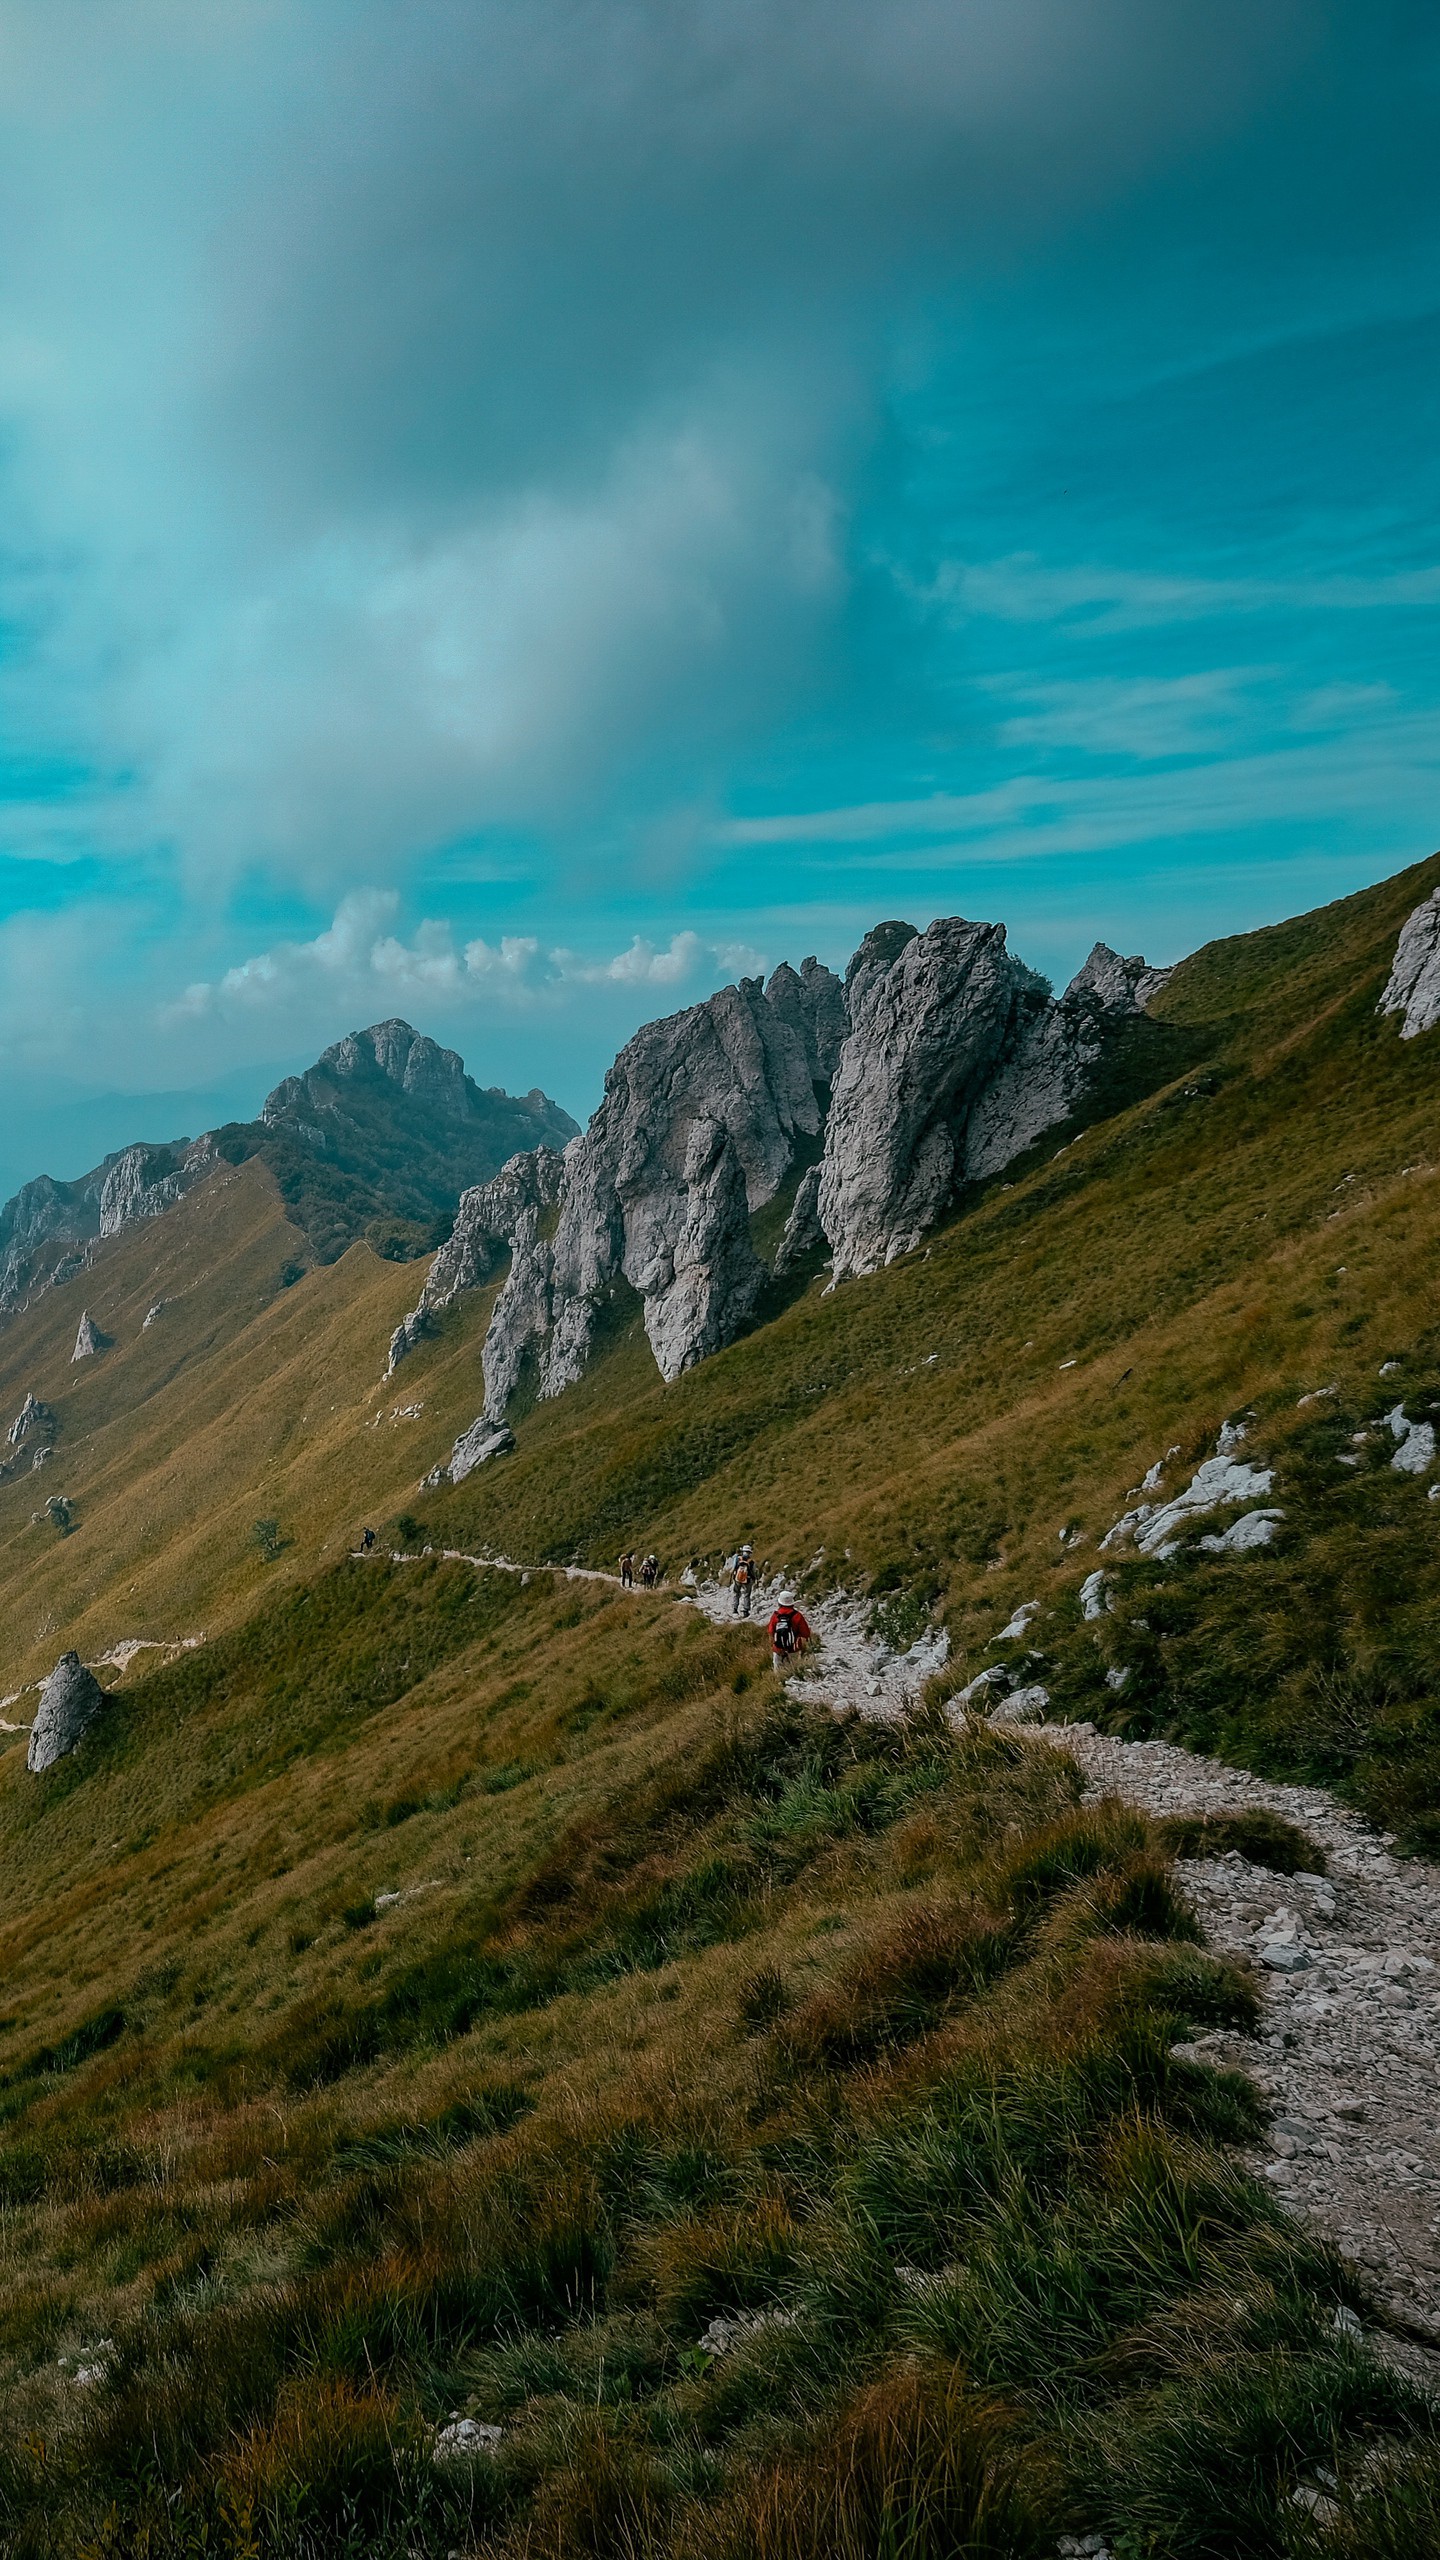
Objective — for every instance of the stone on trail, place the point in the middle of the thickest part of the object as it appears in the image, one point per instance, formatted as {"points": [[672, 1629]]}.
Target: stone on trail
{"points": [[70, 1701]]}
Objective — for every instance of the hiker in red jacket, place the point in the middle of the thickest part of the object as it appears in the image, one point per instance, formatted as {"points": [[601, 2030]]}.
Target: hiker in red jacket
{"points": [[789, 1634]]}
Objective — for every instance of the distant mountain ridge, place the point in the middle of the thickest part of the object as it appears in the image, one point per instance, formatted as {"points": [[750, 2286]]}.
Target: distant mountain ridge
{"points": [[380, 1136]]}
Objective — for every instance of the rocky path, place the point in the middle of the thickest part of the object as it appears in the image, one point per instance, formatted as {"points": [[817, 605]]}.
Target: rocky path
{"points": [[1347, 1961], [1349, 1968]]}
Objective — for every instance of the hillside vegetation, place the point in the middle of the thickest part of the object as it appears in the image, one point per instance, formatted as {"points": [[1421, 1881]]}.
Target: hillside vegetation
{"points": [[448, 1993]]}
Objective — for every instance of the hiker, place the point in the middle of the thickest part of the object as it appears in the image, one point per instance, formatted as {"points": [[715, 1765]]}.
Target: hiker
{"points": [[789, 1633], [742, 1583], [368, 1542], [627, 1570], [650, 1572]]}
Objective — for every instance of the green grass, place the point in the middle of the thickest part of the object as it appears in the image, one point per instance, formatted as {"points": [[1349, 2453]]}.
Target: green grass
{"points": [[443, 1991]]}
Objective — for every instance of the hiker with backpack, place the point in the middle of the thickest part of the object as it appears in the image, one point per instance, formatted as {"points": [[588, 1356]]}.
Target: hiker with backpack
{"points": [[742, 1583], [789, 1633], [650, 1572], [627, 1570]]}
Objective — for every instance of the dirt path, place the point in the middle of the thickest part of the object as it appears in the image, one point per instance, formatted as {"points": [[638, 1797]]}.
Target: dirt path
{"points": [[1349, 1969], [1348, 1964]]}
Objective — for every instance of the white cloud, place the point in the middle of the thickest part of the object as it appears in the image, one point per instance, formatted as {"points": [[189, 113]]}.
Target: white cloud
{"points": [[356, 957], [1095, 599]]}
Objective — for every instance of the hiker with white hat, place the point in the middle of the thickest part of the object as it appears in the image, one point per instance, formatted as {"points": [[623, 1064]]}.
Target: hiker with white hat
{"points": [[789, 1632]]}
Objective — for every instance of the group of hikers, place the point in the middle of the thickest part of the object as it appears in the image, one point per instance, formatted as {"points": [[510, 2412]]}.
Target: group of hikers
{"points": [[788, 1630]]}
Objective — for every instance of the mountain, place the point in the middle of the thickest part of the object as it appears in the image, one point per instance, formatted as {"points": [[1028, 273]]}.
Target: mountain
{"points": [[487, 2068], [385, 1130]]}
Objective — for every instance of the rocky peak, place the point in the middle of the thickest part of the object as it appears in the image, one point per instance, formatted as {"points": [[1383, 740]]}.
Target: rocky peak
{"points": [[928, 1025], [389, 1053], [812, 1000], [1116, 985], [878, 952]]}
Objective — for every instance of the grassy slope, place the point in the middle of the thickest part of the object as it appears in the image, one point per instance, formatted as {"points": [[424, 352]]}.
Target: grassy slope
{"points": [[245, 1399], [775, 2018]]}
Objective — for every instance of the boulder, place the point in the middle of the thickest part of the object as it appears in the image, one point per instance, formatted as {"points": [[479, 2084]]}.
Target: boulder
{"points": [[484, 1439], [70, 1701], [930, 1017], [89, 1339], [1413, 987]]}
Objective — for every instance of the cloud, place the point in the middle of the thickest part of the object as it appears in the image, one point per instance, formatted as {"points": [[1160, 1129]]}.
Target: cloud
{"points": [[357, 959], [424, 420], [1099, 601]]}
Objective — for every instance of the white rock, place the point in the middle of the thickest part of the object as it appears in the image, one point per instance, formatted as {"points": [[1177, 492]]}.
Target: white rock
{"points": [[483, 1440], [466, 2440], [1413, 987], [1023, 1706], [1216, 1484], [1416, 1452], [1096, 1593], [70, 1700], [1253, 1529], [1027, 1610]]}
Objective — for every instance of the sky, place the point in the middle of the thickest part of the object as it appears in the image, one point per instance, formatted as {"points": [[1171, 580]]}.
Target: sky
{"points": [[513, 512]]}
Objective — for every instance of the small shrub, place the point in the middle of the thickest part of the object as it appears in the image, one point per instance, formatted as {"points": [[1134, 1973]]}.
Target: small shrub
{"points": [[266, 1536], [1265, 1838]]}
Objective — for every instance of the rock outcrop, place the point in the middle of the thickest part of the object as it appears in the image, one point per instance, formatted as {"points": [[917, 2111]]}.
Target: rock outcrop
{"points": [[931, 1015], [484, 1439], [89, 1339], [486, 1223], [49, 1230], [1413, 987], [803, 1232], [34, 1421], [1053, 1062], [70, 1701], [649, 1196], [143, 1181]]}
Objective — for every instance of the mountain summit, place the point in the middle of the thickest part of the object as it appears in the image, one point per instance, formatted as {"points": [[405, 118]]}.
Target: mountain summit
{"points": [[380, 1135]]}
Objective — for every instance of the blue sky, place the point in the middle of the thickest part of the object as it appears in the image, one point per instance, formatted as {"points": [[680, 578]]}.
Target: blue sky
{"points": [[511, 513]]}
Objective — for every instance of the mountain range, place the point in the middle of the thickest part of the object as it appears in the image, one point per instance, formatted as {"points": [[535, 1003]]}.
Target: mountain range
{"points": [[486, 2066]]}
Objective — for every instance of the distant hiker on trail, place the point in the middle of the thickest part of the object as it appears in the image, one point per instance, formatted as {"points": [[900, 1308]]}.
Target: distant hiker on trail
{"points": [[650, 1572], [789, 1633], [627, 1570], [743, 1578], [368, 1542]]}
